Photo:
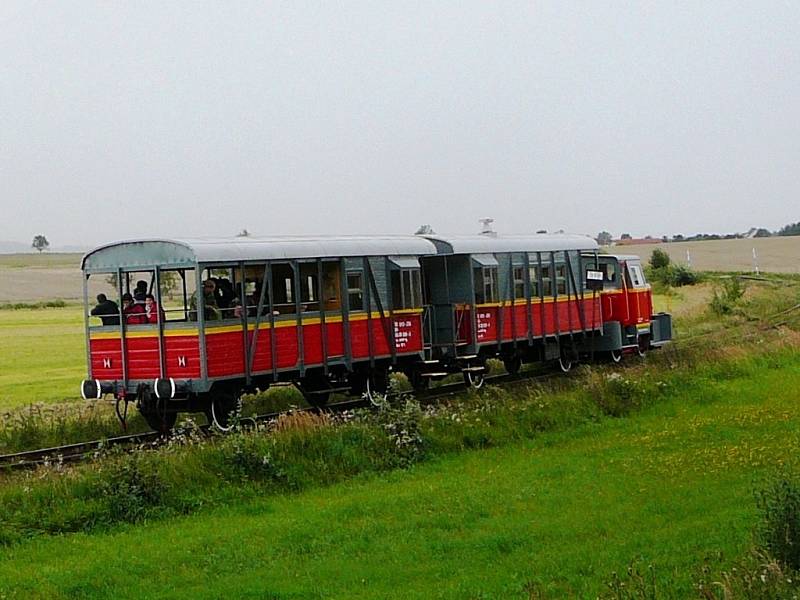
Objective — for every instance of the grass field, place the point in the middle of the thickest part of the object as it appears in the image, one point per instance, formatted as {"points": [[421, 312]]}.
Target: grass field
{"points": [[42, 355], [671, 486]]}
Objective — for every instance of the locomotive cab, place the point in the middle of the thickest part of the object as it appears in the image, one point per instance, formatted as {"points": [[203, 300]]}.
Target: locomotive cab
{"points": [[629, 323]]}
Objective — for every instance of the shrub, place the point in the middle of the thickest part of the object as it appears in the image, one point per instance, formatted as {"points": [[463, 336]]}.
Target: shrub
{"points": [[659, 259], [635, 583], [131, 488], [616, 395], [778, 530], [726, 295], [755, 577], [248, 457], [402, 424]]}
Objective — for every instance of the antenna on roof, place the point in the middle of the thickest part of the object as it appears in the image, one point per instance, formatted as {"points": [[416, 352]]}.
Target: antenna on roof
{"points": [[486, 227]]}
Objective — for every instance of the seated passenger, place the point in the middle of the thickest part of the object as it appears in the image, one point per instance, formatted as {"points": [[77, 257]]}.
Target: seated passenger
{"points": [[140, 291], [224, 293], [152, 310], [211, 312], [107, 310], [134, 313]]}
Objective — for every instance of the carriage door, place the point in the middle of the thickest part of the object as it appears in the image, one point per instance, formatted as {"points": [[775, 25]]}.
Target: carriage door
{"points": [[613, 301]]}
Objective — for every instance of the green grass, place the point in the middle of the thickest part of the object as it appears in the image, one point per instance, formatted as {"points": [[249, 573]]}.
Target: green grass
{"points": [[42, 355], [558, 513]]}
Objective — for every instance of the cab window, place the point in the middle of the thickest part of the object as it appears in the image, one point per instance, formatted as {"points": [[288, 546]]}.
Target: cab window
{"points": [[635, 276], [406, 288]]}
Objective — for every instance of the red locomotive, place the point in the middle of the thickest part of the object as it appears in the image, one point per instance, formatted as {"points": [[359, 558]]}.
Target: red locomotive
{"points": [[338, 314]]}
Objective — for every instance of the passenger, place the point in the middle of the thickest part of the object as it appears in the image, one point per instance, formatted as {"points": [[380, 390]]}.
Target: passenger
{"points": [[152, 310], [107, 310], [211, 309], [134, 313], [140, 292], [224, 293], [236, 307]]}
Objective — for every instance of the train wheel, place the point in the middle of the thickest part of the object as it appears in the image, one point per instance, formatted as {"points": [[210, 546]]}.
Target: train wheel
{"points": [[615, 356], [160, 422], [222, 405], [642, 346], [376, 387], [512, 364], [474, 379], [565, 364]]}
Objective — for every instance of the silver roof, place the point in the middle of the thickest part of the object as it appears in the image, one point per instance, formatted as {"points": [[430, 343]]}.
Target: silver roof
{"points": [[489, 244], [186, 252]]}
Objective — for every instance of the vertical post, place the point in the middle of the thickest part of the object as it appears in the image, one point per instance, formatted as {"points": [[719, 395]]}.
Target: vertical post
{"points": [[540, 277], [345, 306], [200, 301], [273, 335], [528, 315], [298, 308], [245, 324], [368, 299], [323, 328], [123, 325], [185, 299], [162, 357], [474, 307], [86, 326]]}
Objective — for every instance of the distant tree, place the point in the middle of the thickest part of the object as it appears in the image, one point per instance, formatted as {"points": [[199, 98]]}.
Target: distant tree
{"points": [[424, 230], [541, 231], [243, 233], [604, 238], [664, 239], [625, 236], [659, 259], [762, 233], [677, 237], [790, 229], [169, 283], [40, 243]]}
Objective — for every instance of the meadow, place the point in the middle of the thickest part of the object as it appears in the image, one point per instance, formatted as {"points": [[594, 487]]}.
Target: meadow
{"points": [[550, 513], [545, 490]]}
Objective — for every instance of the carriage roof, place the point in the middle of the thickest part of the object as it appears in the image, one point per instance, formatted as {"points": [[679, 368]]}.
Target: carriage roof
{"points": [[489, 244], [183, 253]]}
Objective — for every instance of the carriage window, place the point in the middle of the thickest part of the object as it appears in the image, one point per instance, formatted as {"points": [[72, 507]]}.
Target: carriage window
{"points": [[406, 288], [547, 284], [485, 285], [561, 280], [331, 285], [283, 288], [519, 282], [355, 291], [533, 273], [309, 294]]}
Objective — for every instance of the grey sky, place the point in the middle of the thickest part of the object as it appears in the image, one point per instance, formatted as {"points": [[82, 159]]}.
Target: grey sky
{"points": [[128, 119]]}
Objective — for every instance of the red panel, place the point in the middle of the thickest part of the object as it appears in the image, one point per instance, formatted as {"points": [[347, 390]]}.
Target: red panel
{"points": [[106, 359], [225, 354], [182, 356]]}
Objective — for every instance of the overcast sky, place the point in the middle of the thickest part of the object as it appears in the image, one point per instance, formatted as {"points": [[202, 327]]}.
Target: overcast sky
{"points": [[131, 119]]}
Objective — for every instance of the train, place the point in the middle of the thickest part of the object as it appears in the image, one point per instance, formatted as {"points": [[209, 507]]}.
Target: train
{"points": [[339, 314]]}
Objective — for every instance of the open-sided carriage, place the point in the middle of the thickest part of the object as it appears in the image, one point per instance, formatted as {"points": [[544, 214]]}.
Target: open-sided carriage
{"points": [[331, 314], [338, 314]]}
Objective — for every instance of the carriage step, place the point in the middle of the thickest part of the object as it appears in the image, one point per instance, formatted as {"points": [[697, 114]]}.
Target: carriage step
{"points": [[430, 362], [442, 374], [468, 356], [474, 369]]}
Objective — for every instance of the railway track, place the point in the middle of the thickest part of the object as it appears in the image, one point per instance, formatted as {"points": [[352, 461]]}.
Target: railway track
{"points": [[73, 453]]}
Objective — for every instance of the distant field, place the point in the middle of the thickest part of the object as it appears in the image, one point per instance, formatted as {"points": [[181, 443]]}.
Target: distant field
{"points": [[775, 255], [46, 276]]}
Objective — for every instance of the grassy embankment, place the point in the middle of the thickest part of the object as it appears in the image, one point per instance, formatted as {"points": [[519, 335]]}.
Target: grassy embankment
{"points": [[555, 511]]}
